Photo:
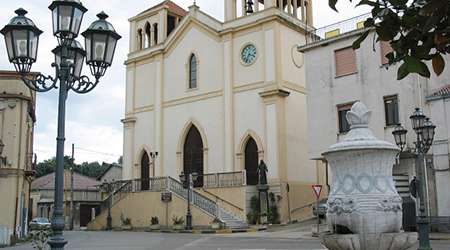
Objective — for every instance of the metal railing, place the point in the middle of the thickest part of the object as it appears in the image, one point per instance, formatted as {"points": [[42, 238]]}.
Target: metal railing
{"points": [[197, 199], [122, 189], [341, 27]]}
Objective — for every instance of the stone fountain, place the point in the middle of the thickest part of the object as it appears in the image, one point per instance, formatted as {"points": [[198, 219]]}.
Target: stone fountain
{"points": [[364, 208]]}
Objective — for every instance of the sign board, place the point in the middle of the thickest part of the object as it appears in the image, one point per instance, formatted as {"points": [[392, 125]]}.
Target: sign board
{"points": [[317, 190], [166, 197]]}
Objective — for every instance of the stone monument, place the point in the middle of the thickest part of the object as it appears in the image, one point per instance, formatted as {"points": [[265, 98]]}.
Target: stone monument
{"points": [[364, 209]]}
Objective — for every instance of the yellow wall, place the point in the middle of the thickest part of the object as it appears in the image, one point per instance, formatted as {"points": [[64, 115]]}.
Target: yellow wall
{"points": [[141, 206], [225, 196]]}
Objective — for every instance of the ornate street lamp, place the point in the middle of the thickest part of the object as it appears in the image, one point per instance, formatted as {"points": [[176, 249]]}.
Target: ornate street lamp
{"points": [[109, 187], [188, 184], [154, 155], [22, 37], [424, 129]]}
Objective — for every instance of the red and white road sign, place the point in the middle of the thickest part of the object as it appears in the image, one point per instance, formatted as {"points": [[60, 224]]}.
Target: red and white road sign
{"points": [[317, 190]]}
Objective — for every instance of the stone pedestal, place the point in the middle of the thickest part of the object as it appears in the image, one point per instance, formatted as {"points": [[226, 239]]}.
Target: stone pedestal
{"points": [[364, 208]]}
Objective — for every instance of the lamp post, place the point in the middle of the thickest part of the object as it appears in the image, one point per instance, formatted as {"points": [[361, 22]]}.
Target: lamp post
{"points": [[424, 129], [188, 184], [22, 38], [109, 187], [153, 155]]}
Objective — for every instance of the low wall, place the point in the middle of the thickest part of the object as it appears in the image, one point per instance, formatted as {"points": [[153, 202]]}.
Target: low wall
{"points": [[141, 206]]}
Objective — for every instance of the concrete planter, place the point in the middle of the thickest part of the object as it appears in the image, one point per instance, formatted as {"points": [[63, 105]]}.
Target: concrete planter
{"points": [[178, 227], [127, 227], [215, 225], [155, 227]]}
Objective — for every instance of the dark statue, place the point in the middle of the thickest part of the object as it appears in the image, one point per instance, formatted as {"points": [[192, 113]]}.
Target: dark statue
{"points": [[262, 170]]}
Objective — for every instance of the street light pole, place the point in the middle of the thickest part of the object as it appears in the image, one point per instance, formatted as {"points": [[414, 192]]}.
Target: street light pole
{"points": [[424, 129], [188, 184], [422, 221], [109, 187], [22, 38]]}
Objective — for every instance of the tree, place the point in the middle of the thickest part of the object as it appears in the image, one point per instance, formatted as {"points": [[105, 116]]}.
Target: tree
{"points": [[91, 169], [418, 31]]}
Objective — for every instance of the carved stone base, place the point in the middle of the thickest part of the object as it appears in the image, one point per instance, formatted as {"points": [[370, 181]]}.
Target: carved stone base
{"points": [[384, 241]]}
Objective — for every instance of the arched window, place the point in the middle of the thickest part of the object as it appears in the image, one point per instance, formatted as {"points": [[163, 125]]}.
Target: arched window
{"points": [[251, 161], [193, 72], [193, 155], [145, 171], [139, 39], [155, 29], [147, 35]]}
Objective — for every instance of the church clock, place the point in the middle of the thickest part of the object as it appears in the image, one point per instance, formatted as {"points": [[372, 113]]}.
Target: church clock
{"points": [[249, 54]]}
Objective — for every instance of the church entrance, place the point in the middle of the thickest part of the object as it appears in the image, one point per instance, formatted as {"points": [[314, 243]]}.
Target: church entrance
{"points": [[251, 162], [193, 155], [145, 172]]}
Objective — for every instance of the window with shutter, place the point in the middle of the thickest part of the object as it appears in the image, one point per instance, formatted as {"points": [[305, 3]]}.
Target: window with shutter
{"points": [[345, 60]]}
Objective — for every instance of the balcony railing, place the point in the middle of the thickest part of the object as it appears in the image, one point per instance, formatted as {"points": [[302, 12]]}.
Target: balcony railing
{"points": [[227, 179], [341, 27]]}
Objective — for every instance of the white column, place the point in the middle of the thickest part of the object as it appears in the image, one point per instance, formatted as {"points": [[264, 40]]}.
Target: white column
{"points": [[269, 3], [230, 10], [228, 107]]}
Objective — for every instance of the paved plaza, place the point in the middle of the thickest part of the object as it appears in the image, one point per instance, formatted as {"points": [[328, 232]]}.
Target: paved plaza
{"points": [[288, 237]]}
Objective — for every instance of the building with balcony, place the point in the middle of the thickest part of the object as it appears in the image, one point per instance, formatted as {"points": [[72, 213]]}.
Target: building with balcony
{"points": [[337, 76], [17, 118]]}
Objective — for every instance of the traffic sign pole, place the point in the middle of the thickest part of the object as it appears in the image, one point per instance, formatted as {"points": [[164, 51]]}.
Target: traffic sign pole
{"points": [[317, 189]]}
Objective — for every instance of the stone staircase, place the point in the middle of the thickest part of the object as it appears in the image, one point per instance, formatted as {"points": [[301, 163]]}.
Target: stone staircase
{"points": [[231, 221], [205, 204]]}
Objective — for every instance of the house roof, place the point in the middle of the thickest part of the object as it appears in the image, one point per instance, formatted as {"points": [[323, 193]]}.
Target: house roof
{"points": [[443, 91], [172, 7], [99, 178], [80, 182]]}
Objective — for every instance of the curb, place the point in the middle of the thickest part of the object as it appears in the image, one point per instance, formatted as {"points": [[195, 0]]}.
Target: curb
{"points": [[209, 231]]}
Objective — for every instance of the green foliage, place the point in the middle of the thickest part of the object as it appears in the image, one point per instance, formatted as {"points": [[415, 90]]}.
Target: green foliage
{"points": [[39, 238], [273, 216], [177, 220], [90, 169], [125, 221], [417, 31], [253, 215], [154, 220]]}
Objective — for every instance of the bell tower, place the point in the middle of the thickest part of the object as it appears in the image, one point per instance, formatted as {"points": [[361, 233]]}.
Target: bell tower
{"points": [[300, 9]]}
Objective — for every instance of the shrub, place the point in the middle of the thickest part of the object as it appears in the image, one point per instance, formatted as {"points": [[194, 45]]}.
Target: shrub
{"points": [[154, 220], [40, 237], [177, 220]]}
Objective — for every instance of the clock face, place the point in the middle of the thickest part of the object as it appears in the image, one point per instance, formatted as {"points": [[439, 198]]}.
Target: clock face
{"points": [[249, 54]]}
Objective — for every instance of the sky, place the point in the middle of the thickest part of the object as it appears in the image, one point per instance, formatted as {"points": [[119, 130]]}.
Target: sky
{"points": [[93, 123]]}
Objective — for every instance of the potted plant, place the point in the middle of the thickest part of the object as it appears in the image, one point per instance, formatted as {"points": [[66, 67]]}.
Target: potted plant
{"points": [[126, 224], [154, 223], [178, 222], [263, 218], [216, 223]]}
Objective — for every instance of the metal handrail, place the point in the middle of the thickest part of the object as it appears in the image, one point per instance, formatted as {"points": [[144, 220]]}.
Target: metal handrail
{"points": [[200, 201]]}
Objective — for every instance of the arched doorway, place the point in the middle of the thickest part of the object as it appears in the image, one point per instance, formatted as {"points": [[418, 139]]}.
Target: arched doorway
{"points": [[193, 155], [251, 161], [145, 171]]}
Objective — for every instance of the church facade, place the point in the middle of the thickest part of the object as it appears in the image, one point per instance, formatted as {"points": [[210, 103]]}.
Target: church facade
{"points": [[216, 98]]}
